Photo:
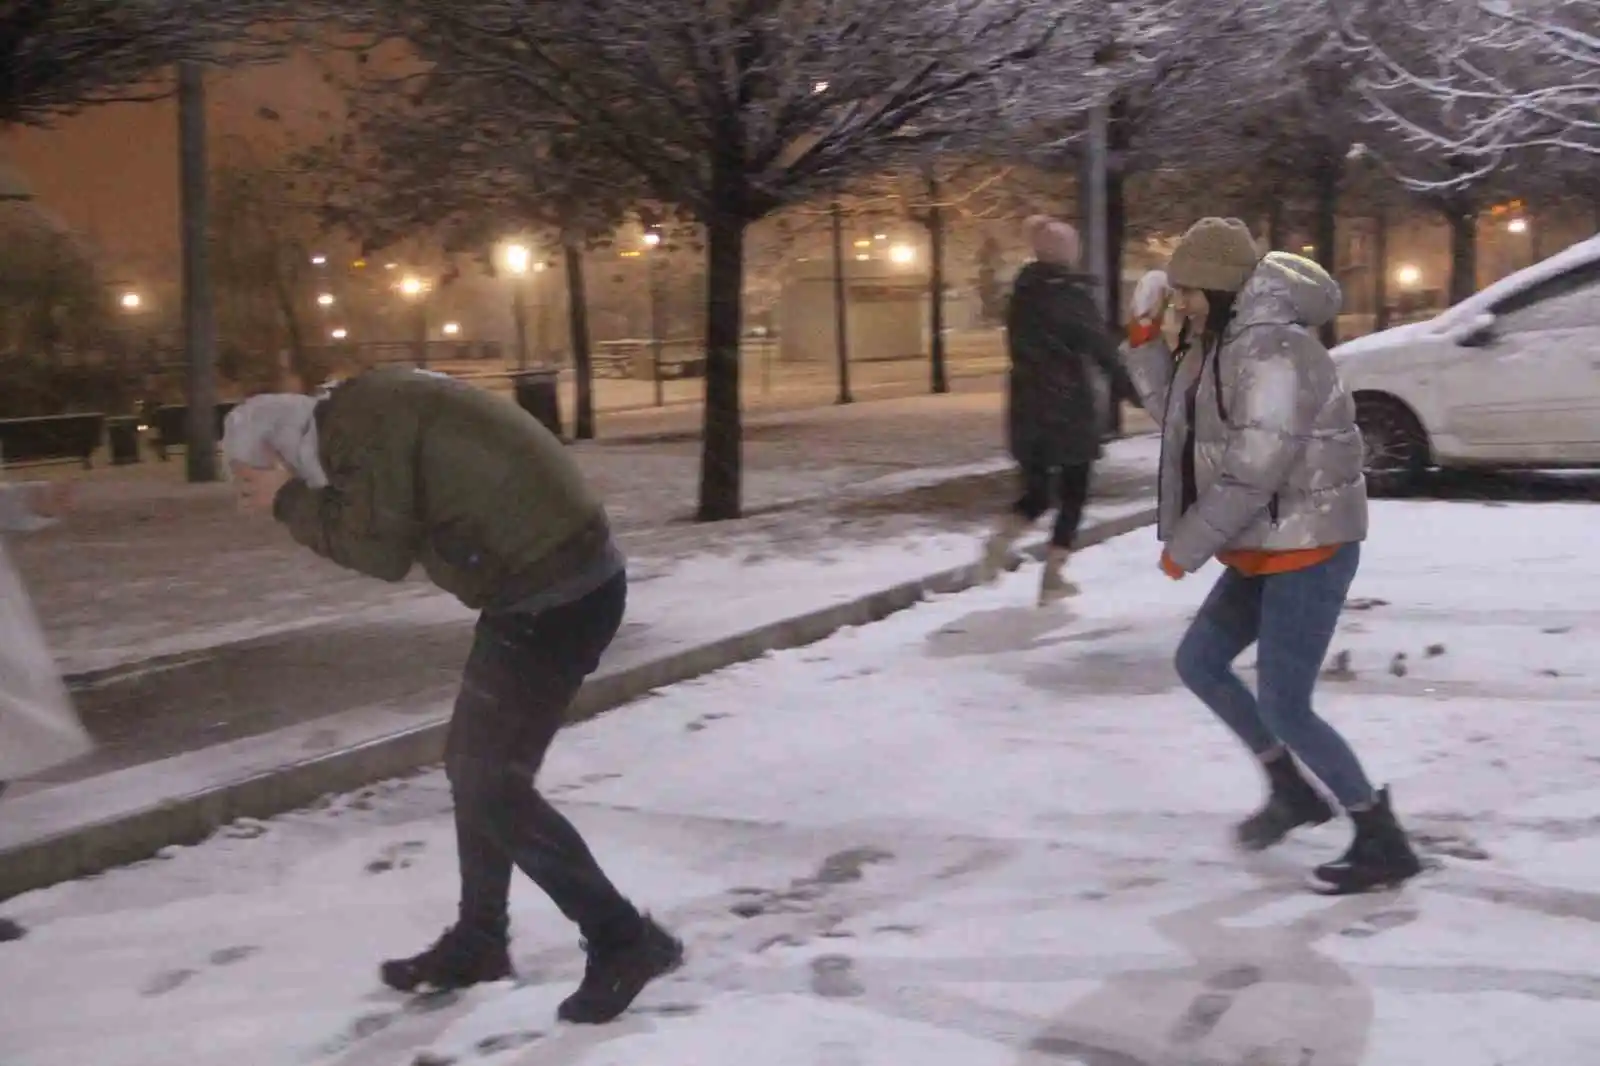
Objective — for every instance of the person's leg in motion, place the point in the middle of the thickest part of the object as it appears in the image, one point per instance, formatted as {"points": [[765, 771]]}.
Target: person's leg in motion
{"points": [[1300, 614], [1073, 482], [1230, 621], [522, 675], [1009, 527]]}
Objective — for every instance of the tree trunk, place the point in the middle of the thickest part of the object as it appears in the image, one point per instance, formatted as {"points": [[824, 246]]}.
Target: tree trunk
{"points": [[199, 312], [841, 305], [1327, 175], [1275, 222], [578, 335], [1380, 270], [1463, 252], [938, 371], [1116, 241], [291, 325], [721, 455]]}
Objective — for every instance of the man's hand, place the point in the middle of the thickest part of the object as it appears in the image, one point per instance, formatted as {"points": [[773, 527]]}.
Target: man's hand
{"points": [[52, 499], [258, 488], [1171, 569]]}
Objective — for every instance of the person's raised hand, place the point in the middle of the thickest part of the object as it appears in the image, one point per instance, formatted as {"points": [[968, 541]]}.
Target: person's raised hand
{"points": [[258, 486]]}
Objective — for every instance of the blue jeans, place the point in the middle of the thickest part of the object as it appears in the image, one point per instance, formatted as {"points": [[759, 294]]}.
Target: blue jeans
{"points": [[1293, 617]]}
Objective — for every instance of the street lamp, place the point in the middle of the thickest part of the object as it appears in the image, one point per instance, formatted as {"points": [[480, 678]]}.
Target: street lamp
{"points": [[452, 328], [319, 260], [325, 300], [518, 257], [652, 241], [131, 301], [413, 289], [1517, 225], [339, 334], [902, 255], [1408, 276]]}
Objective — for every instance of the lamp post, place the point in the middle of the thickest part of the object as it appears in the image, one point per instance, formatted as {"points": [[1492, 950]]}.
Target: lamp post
{"points": [[841, 308], [415, 291], [517, 260], [652, 243]]}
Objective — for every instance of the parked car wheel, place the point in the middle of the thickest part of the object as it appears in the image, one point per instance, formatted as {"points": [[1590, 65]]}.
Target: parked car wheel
{"points": [[1396, 445]]}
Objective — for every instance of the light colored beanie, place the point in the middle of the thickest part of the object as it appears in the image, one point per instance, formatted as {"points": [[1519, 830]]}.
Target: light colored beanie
{"points": [[1053, 241], [1216, 254]]}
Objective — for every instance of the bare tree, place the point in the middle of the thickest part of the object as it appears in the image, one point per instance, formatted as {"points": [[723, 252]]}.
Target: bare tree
{"points": [[732, 110], [475, 167], [1425, 136], [59, 56]]}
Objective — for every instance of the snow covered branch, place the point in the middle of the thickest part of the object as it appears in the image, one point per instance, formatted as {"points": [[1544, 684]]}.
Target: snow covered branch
{"points": [[1465, 84]]}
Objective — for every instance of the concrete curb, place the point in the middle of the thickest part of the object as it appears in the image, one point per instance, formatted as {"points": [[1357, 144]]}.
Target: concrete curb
{"points": [[133, 835]]}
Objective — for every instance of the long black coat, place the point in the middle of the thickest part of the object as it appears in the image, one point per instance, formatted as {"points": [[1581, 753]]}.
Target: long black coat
{"points": [[1058, 343]]}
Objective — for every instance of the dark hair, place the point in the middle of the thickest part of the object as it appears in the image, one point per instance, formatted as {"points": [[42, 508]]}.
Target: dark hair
{"points": [[1219, 313]]}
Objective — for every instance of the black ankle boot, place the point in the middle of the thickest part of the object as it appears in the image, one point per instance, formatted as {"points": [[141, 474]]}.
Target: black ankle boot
{"points": [[1380, 856], [617, 973], [459, 958], [1291, 803]]}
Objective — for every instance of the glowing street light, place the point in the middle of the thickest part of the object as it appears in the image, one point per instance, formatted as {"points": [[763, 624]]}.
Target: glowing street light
{"points": [[517, 257], [451, 328], [319, 260], [131, 301], [1517, 225], [902, 254], [325, 300], [412, 287], [652, 239], [1408, 276], [339, 334]]}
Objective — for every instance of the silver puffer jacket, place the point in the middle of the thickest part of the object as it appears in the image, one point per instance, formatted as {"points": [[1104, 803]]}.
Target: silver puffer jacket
{"points": [[1277, 456]]}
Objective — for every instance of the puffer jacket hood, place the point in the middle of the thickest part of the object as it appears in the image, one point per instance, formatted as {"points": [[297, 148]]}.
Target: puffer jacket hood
{"points": [[1288, 290]]}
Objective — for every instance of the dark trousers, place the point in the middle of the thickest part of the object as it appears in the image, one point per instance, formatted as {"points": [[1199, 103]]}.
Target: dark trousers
{"points": [[1067, 486], [522, 673]]}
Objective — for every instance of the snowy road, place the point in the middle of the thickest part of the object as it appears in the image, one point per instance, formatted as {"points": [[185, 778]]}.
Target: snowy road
{"points": [[974, 834]]}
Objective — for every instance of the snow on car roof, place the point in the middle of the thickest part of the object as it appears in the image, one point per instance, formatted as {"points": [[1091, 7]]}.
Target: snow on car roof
{"points": [[1585, 251]]}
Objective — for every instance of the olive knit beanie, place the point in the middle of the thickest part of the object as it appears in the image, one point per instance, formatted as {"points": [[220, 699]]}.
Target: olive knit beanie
{"points": [[1216, 254]]}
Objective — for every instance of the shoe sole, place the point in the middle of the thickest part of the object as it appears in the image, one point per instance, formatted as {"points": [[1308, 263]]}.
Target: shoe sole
{"points": [[1326, 888]]}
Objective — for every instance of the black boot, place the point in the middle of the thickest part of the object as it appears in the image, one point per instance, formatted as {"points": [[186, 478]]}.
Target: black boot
{"points": [[10, 930], [617, 973], [1291, 803], [459, 958], [1379, 857]]}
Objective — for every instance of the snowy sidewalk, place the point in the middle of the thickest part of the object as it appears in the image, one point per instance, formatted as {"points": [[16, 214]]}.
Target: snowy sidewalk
{"points": [[975, 834]]}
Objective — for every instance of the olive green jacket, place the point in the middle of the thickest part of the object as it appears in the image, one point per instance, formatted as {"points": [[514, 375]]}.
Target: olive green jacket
{"points": [[424, 469]]}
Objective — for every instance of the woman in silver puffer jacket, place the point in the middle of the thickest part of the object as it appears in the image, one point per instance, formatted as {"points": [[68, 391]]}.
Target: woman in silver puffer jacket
{"points": [[1261, 469]]}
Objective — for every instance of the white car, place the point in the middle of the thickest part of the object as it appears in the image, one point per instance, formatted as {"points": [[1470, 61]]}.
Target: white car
{"points": [[1509, 378]]}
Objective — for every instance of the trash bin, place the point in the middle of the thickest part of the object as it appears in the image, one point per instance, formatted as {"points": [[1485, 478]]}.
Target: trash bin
{"points": [[122, 437], [537, 394]]}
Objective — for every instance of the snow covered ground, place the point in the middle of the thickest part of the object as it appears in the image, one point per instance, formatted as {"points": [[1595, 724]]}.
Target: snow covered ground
{"points": [[977, 833]]}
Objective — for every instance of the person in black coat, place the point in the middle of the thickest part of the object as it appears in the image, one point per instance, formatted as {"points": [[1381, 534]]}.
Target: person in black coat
{"points": [[1064, 371]]}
